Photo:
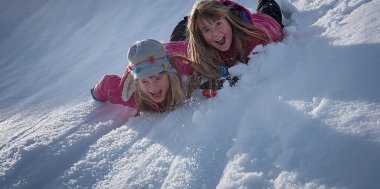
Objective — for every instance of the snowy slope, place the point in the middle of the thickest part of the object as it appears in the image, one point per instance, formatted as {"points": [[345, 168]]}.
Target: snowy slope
{"points": [[305, 114]]}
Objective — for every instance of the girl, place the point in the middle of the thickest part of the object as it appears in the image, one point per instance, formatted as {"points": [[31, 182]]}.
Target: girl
{"points": [[222, 33], [150, 83]]}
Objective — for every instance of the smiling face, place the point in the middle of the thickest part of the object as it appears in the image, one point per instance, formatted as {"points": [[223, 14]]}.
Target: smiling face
{"points": [[217, 34], [155, 87]]}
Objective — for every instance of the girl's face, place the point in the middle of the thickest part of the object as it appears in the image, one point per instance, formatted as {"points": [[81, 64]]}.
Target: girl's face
{"points": [[217, 34], [155, 87]]}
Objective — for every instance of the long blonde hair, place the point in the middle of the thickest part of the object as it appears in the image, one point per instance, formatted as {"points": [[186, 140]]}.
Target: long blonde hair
{"points": [[174, 96], [204, 56]]}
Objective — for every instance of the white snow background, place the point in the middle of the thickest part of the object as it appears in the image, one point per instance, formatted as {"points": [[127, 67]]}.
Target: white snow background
{"points": [[305, 113]]}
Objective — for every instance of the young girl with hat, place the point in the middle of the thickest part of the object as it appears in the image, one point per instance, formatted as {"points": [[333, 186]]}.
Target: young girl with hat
{"points": [[153, 82], [223, 33]]}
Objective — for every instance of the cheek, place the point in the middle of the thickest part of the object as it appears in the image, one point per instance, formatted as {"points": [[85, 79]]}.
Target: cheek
{"points": [[165, 84], [204, 36], [228, 31], [208, 38], [143, 88]]}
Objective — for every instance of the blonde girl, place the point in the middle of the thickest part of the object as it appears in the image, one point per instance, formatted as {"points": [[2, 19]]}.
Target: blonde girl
{"points": [[152, 80]]}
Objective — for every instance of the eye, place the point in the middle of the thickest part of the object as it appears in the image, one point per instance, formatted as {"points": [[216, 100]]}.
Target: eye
{"points": [[205, 30], [144, 81], [158, 78]]}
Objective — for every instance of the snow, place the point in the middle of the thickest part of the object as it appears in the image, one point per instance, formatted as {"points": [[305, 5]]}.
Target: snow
{"points": [[305, 113]]}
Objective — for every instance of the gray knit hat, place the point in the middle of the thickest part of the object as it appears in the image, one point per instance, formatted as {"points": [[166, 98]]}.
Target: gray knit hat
{"points": [[146, 58]]}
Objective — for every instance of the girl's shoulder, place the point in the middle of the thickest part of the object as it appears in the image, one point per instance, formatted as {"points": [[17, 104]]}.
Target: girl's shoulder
{"points": [[179, 48], [176, 48], [270, 26], [239, 10]]}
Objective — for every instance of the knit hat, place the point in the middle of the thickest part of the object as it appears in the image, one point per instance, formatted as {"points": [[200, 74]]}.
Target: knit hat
{"points": [[146, 58]]}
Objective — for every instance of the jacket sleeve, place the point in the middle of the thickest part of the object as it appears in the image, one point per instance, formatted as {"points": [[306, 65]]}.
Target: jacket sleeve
{"points": [[107, 89], [179, 48], [269, 25]]}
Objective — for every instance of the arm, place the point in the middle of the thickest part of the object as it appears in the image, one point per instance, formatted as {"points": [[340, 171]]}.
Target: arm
{"points": [[270, 26], [107, 89]]}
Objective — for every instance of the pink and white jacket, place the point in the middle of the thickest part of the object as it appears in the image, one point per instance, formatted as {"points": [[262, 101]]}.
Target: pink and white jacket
{"points": [[112, 88]]}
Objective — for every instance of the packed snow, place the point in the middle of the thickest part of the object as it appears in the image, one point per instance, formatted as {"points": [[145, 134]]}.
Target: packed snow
{"points": [[304, 114]]}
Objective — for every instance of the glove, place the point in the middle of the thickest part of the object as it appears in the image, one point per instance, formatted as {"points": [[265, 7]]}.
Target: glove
{"points": [[94, 96], [209, 93], [211, 90], [232, 80]]}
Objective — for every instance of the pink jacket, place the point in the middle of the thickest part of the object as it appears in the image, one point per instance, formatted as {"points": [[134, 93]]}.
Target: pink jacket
{"points": [[270, 26], [110, 87]]}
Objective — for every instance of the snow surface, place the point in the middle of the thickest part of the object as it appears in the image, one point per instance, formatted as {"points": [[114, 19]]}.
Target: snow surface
{"points": [[305, 114]]}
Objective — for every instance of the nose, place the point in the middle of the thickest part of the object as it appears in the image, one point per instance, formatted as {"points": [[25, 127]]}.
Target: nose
{"points": [[153, 87], [215, 33]]}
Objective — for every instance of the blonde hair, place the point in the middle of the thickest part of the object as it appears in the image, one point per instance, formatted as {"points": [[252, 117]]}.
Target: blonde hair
{"points": [[174, 96], [204, 56]]}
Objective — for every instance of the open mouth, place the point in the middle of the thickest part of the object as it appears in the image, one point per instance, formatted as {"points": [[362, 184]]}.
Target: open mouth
{"points": [[221, 41], [156, 95]]}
